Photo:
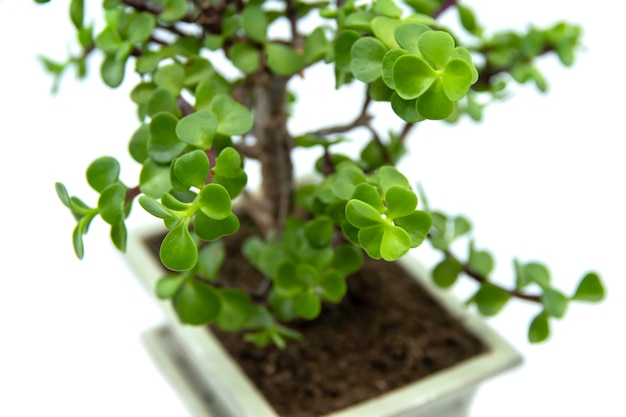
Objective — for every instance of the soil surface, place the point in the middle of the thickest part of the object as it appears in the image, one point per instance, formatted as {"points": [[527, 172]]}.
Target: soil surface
{"points": [[388, 331]]}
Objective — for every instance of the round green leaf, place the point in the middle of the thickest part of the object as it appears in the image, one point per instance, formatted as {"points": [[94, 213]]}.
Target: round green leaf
{"points": [[178, 250], [387, 65], [412, 76], [316, 46], [286, 282], [164, 145], [209, 229], [490, 299], [537, 273], [103, 172], [254, 23], [111, 203], [282, 59], [173, 10], [154, 179], [417, 225], [236, 309], [457, 79], [140, 27], [198, 129], [308, 305], [395, 243], [192, 168], [539, 329], [319, 231], [590, 288], [389, 176], [367, 193], [232, 117], [138, 145], [407, 35], [436, 47], [215, 202], [371, 238], [168, 286], [406, 109], [383, 28], [112, 71], [362, 215], [400, 202], [434, 104], [347, 259], [333, 286], [447, 272], [170, 77], [554, 302], [367, 57], [196, 303], [246, 57]]}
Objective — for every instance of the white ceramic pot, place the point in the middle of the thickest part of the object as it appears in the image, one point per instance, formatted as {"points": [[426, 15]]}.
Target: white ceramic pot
{"points": [[212, 385]]}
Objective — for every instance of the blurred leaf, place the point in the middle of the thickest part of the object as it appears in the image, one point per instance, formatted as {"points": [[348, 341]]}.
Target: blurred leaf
{"points": [[168, 285], [447, 272], [590, 288], [539, 329], [554, 302], [196, 303], [490, 299]]}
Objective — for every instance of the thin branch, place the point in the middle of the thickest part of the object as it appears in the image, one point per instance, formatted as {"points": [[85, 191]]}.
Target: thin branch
{"points": [[361, 120], [481, 279], [155, 9]]}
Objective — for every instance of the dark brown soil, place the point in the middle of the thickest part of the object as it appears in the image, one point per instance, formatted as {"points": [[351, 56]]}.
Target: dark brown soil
{"points": [[387, 332]]}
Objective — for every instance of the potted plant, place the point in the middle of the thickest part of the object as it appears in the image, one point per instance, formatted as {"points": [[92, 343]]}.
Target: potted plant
{"points": [[200, 131]]}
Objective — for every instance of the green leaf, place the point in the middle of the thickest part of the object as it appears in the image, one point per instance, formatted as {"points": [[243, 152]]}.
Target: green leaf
{"points": [[370, 239], [140, 27], [400, 202], [210, 260], [282, 59], [389, 176], [383, 28], [178, 250], [387, 8], [406, 109], [173, 10], [480, 261], [461, 225], [215, 201], [490, 299], [333, 286], [362, 215], [457, 79], [198, 129], [192, 168], [367, 57], [308, 305], [408, 34], [236, 309], [342, 48], [379, 90], [348, 177], [154, 207], [447, 272], [154, 179], [112, 71], [319, 231], [138, 145], [412, 76], [387, 65], [347, 259], [196, 303], [590, 288], [167, 286], [537, 273], [316, 46], [554, 302], [210, 229], [367, 193], [119, 235], [164, 145], [103, 172], [62, 194], [254, 23], [286, 282], [77, 12], [539, 329], [417, 225], [436, 47], [170, 77], [111, 203], [229, 173], [246, 57], [233, 118], [434, 104], [467, 18], [395, 243]]}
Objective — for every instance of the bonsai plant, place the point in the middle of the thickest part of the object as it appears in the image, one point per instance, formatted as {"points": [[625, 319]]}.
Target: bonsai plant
{"points": [[199, 131]]}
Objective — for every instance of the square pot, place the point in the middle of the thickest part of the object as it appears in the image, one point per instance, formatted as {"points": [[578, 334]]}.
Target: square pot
{"points": [[212, 384]]}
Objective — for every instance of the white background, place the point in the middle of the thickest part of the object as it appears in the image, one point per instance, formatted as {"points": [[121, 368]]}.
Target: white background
{"points": [[542, 178]]}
